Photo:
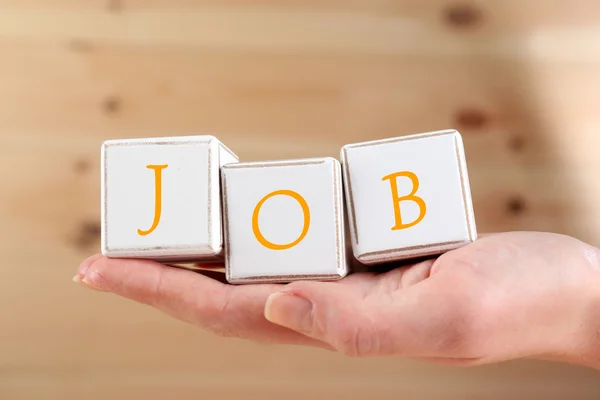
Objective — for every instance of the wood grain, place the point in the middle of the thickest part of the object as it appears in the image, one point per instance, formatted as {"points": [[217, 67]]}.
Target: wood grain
{"points": [[520, 80]]}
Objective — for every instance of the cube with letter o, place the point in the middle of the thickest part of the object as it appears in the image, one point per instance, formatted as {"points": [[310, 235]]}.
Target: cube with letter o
{"points": [[284, 221]]}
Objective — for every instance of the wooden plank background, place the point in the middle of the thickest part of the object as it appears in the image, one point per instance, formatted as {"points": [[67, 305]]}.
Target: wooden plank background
{"points": [[275, 79]]}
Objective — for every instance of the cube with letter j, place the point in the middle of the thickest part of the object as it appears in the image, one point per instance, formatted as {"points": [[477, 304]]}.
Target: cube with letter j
{"points": [[408, 196], [161, 198]]}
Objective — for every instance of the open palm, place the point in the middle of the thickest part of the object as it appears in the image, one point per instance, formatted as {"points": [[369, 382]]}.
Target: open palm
{"points": [[505, 296]]}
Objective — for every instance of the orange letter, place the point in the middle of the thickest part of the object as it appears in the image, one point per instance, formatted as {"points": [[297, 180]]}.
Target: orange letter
{"points": [[411, 196], [157, 198], [305, 211]]}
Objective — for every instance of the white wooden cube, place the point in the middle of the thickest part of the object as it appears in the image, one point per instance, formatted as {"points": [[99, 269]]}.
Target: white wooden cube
{"points": [[408, 197], [161, 198], [284, 221]]}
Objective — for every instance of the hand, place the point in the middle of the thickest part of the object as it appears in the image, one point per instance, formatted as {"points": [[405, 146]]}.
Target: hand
{"points": [[506, 296]]}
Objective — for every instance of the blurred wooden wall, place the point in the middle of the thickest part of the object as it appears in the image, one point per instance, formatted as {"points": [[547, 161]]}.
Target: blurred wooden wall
{"points": [[275, 79]]}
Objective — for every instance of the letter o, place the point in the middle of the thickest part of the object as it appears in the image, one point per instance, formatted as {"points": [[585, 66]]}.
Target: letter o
{"points": [[305, 211]]}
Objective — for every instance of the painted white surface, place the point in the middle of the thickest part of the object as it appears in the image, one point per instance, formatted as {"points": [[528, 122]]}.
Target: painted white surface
{"points": [[319, 255], [190, 197], [437, 159]]}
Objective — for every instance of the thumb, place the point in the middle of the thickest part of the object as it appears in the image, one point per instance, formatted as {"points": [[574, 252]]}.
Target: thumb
{"points": [[379, 318], [331, 312]]}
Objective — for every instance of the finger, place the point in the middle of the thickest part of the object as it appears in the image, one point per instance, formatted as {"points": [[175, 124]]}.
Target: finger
{"points": [[401, 276], [231, 311], [83, 267], [213, 273], [416, 320]]}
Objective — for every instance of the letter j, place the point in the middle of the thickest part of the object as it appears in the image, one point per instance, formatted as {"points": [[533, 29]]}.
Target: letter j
{"points": [[157, 198]]}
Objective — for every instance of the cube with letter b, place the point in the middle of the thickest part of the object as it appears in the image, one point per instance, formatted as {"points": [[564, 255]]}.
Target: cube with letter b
{"points": [[161, 198], [284, 221], [408, 197]]}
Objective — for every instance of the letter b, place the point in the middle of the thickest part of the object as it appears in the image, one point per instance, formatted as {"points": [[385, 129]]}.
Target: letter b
{"points": [[396, 199]]}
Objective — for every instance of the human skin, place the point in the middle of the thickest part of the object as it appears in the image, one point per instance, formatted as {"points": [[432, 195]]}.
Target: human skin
{"points": [[506, 296]]}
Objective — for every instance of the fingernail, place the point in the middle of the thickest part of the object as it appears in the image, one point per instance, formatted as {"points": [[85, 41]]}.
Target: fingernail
{"points": [[90, 281], [290, 311], [86, 264]]}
